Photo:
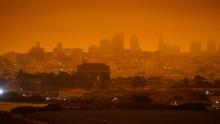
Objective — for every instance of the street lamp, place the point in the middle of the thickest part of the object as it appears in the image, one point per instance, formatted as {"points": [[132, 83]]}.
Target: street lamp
{"points": [[1, 91]]}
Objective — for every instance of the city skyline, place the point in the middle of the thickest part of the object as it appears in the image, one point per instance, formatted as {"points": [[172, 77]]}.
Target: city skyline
{"points": [[127, 44], [83, 23], [110, 61]]}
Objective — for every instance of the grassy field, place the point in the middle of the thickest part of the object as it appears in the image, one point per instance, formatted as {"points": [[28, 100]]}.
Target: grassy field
{"points": [[128, 117]]}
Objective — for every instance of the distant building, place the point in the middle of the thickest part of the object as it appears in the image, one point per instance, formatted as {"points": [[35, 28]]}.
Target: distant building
{"points": [[215, 99], [161, 45], [134, 44], [166, 48], [211, 46], [37, 52], [196, 48], [105, 46], [94, 71], [94, 49], [117, 44], [175, 49], [73, 51], [58, 48], [72, 93]]}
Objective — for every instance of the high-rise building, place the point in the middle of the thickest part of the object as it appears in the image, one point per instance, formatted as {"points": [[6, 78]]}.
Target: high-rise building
{"points": [[93, 54], [166, 48], [196, 48], [94, 49], [134, 43], [104, 46], [161, 44], [117, 44], [58, 48], [37, 52], [38, 44], [211, 46]]}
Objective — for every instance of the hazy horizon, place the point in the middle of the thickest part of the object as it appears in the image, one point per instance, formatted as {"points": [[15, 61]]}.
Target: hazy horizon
{"points": [[82, 23]]}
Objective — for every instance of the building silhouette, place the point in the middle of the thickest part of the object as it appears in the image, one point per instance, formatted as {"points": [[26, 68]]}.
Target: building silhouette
{"points": [[134, 44], [58, 48], [195, 48], [105, 46], [166, 48], [117, 44], [161, 45], [37, 52], [94, 71]]}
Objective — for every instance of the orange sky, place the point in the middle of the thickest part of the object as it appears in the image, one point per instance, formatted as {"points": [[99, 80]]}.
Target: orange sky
{"points": [[81, 23]]}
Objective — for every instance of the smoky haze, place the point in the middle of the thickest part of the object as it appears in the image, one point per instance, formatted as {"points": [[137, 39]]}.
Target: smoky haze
{"points": [[81, 23]]}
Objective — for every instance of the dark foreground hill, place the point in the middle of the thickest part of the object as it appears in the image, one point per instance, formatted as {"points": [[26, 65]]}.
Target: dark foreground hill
{"points": [[11, 118], [128, 117]]}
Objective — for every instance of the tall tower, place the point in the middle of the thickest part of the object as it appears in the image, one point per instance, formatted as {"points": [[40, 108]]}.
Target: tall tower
{"points": [[134, 43], [37, 52], [117, 43], [161, 43], [58, 49], [59, 46], [104, 46], [196, 48], [38, 44]]}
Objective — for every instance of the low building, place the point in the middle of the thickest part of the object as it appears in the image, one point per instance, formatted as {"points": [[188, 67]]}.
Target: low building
{"points": [[215, 99], [72, 93], [94, 71]]}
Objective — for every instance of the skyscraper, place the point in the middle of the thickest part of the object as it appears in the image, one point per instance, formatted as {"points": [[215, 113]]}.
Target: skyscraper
{"points": [[58, 48], [134, 43], [195, 48], [104, 46], [161, 43], [117, 44], [37, 52]]}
